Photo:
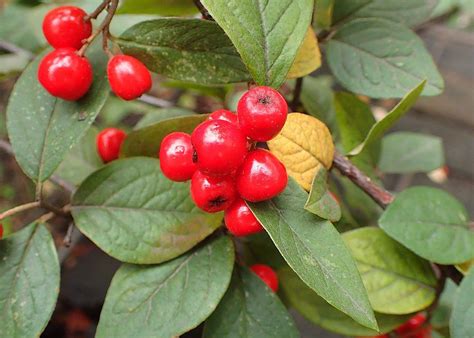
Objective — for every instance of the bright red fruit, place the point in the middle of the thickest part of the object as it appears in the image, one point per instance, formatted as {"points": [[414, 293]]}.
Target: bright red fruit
{"points": [[266, 274], [109, 142], [411, 324], [240, 220], [262, 113], [226, 115], [176, 157], [1, 231], [128, 77], [66, 27], [261, 177], [212, 194], [220, 147], [65, 74]]}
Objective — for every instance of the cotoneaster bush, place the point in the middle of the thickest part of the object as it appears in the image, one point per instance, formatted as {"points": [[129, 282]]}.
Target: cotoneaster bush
{"points": [[272, 201]]}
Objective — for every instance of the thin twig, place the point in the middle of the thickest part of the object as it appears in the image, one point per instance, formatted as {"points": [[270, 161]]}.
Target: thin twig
{"points": [[203, 10], [64, 211], [377, 193], [296, 94], [97, 11], [68, 238], [20, 208], [155, 101], [9, 47]]}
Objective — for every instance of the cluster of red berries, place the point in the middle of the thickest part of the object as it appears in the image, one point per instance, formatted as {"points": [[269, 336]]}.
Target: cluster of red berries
{"points": [[413, 328], [67, 74]]}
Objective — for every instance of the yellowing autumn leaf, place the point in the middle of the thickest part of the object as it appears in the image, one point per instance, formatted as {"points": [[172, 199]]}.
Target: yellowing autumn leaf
{"points": [[304, 146], [464, 267], [308, 58]]}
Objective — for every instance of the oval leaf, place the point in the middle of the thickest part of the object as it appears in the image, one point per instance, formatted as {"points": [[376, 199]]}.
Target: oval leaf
{"points": [[169, 299], [397, 281], [379, 58], [250, 309], [267, 34], [461, 324], [146, 141], [190, 50], [431, 223], [29, 282], [299, 296], [42, 128], [316, 252], [135, 214], [308, 58], [304, 145]]}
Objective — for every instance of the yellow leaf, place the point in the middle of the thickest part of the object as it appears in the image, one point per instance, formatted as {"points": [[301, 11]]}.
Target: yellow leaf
{"points": [[464, 267], [308, 58], [304, 145]]}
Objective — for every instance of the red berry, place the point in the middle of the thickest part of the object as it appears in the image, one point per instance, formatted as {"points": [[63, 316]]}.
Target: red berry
{"points": [[266, 274], [212, 194], [66, 27], [65, 74], [1, 231], [128, 77], [109, 142], [411, 324], [261, 177], [176, 157], [226, 115], [240, 220], [262, 113], [220, 147]]}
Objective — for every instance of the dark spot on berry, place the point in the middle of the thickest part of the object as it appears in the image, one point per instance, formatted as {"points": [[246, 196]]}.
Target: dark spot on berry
{"points": [[264, 100], [218, 201], [195, 156]]}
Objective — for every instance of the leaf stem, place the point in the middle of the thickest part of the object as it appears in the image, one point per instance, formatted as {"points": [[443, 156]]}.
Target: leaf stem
{"points": [[296, 94], [203, 10], [20, 208]]}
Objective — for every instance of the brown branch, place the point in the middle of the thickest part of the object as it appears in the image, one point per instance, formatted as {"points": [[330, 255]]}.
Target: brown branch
{"points": [[377, 193], [18, 209], [296, 94], [97, 11], [203, 10]]}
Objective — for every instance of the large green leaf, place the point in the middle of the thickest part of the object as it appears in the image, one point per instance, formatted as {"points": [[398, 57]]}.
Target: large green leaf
{"points": [[378, 129], [406, 152], [162, 7], [408, 12], [380, 58], [135, 214], [190, 50], [266, 33], [42, 128], [146, 141], [82, 160], [461, 324], [169, 299], [397, 280], [250, 309], [29, 282], [299, 296], [431, 223], [316, 252]]}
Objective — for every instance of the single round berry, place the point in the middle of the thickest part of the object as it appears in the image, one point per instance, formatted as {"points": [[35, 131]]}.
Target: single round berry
{"points": [[226, 115], [262, 113], [220, 147], [267, 275], [109, 142], [128, 77], [412, 324], [261, 177], [1, 231], [212, 194], [66, 27], [240, 221], [65, 74], [176, 157]]}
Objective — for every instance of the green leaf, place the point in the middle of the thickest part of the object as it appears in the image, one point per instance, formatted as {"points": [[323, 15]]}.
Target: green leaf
{"points": [[159, 115], [320, 202], [267, 34], [29, 282], [406, 152], [442, 313], [431, 223], [317, 310], [379, 58], [316, 252], [191, 50], [42, 128], [259, 249], [461, 324], [82, 160], [323, 13], [146, 141], [161, 7], [249, 309], [169, 299], [135, 214], [390, 119], [397, 281], [408, 12]]}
